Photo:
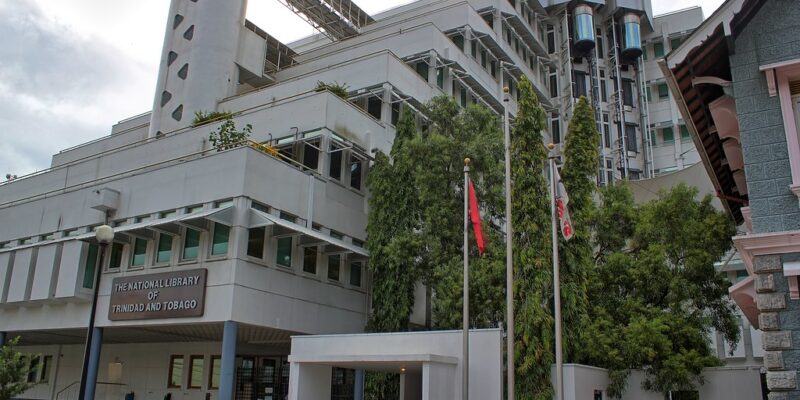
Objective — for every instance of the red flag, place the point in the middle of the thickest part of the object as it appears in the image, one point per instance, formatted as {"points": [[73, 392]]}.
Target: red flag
{"points": [[561, 207], [475, 217]]}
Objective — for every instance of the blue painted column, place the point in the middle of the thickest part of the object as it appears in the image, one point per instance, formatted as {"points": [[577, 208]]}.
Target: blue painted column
{"points": [[94, 363], [358, 390], [228, 371]]}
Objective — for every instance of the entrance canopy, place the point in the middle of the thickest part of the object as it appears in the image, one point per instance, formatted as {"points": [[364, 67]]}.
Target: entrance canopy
{"points": [[429, 363]]}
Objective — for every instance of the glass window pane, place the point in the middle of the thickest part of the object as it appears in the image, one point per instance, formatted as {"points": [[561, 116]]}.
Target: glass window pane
{"points": [[355, 274], [196, 372], [335, 162], [334, 263], [33, 369], [46, 366], [310, 260], [663, 91], [658, 49], [215, 370], [284, 257], [355, 172], [191, 244], [164, 248], [219, 245], [685, 133], [91, 263], [255, 242], [139, 251], [668, 134], [311, 154], [176, 371], [116, 256]]}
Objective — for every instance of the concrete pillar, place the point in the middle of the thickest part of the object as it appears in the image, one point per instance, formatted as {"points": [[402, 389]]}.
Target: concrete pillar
{"points": [[228, 371], [358, 390], [432, 65], [309, 381], [411, 386], [94, 363], [386, 105]]}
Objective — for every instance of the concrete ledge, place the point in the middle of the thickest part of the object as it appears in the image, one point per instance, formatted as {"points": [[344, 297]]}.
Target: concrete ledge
{"points": [[408, 358]]}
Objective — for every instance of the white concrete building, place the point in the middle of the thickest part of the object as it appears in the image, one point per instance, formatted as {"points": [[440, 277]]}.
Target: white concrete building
{"points": [[221, 256]]}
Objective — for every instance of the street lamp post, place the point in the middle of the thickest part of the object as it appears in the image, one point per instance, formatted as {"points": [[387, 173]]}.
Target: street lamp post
{"points": [[104, 235]]}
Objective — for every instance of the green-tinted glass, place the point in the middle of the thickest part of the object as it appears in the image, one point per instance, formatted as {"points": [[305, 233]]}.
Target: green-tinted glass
{"points": [[164, 248], [139, 251], [663, 91], [90, 266], [116, 256], [669, 135], [284, 257], [191, 244], [355, 274], [658, 49], [310, 260], [685, 133], [219, 244], [334, 263]]}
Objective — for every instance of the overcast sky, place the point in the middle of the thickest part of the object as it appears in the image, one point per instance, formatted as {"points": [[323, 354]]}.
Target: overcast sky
{"points": [[69, 69]]}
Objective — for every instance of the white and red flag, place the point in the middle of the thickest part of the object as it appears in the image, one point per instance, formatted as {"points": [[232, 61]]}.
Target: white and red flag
{"points": [[562, 200]]}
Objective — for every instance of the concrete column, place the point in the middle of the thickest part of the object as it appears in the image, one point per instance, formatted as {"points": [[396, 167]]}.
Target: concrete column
{"points": [[432, 64], [386, 106], [94, 363], [358, 390], [228, 372], [411, 386]]}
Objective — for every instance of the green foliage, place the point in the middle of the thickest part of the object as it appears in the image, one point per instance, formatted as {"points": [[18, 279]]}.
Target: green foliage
{"points": [[13, 371], [202, 118], [228, 137], [579, 176], [532, 254], [336, 88], [655, 300]]}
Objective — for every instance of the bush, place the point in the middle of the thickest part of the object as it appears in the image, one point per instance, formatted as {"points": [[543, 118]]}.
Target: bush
{"points": [[202, 118], [336, 88]]}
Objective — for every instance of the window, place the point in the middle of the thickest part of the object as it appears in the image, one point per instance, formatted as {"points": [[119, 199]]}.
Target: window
{"points": [[191, 244], [674, 43], [164, 251], [627, 92], [355, 274], [600, 50], [214, 372], [463, 97], [116, 255], [355, 172], [553, 84], [580, 84], [603, 87], [139, 252], [459, 41], [194, 209], [255, 242], [47, 363], [474, 48], [219, 244], [741, 275], [685, 136], [658, 49], [310, 260], [422, 69], [334, 264], [551, 41], [92, 254], [606, 131], [335, 162], [336, 235], [175, 379], [311, 151], [598, 395], [651, 135], [284, 254], [33, 369], [439, 79], [663, 91], [668, 135], [555, 129], [196, 364], [648, 94], [630, 137], [483, 58], [644, 51]]}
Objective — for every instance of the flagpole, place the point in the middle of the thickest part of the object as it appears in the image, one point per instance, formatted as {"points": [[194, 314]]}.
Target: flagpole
{"points": [[465, 341], [556, 275], [509, 258]]}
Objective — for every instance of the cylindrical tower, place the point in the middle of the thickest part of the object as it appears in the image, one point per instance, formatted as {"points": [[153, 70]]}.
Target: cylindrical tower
{"points": [[584, 29], [631, 36], [197, 62]]}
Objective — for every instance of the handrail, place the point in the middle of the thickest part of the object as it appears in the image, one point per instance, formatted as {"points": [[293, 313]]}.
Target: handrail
{"points": [[68, 387]]}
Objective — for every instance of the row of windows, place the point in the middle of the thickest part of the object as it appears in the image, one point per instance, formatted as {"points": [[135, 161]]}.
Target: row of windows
{"points": [[39, 367], [667, 135], [662, 89], [658, 48], [311, 149], [196, 374]]}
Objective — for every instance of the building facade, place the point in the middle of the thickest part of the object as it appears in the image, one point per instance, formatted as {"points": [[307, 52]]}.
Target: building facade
{"points": [[738, 83], [220, 255]]}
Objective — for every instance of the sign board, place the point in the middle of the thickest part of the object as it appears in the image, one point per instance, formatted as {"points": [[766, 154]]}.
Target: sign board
{"points": [[178, 294]]}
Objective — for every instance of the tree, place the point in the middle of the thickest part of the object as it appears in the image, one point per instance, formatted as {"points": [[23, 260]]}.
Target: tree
{"points": [[579, 176], [656, 296], [227, 137], [532, 253], [13, 371]]}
